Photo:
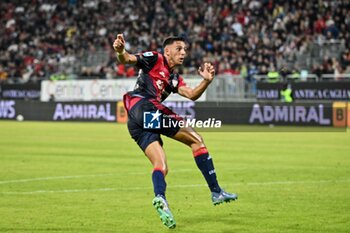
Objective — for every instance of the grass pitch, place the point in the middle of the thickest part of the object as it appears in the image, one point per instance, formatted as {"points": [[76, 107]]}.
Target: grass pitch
{"points": [[91, 177]]}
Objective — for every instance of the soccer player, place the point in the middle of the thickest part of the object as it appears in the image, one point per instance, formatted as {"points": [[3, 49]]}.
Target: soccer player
{"points": [[155, 82]]}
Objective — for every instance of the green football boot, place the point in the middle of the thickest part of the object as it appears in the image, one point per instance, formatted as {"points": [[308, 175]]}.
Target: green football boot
{"points": [[161, 205]]}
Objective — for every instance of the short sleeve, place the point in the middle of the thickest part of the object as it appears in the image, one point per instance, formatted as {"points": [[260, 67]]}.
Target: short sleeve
{"points": [[181, 82], [176, 82], [146, 60]]}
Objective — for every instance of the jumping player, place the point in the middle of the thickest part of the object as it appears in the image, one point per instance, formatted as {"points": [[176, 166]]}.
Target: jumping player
{"points": [[155, 82]]}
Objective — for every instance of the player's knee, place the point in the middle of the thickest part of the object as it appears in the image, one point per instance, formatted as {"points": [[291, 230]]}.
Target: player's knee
{"points": [[200, 139], [194, 137], [197, 141], [191, 138]]}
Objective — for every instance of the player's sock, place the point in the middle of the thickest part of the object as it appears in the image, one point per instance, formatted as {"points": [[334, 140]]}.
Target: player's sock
{"points": [[205, 164], [159, 184]]}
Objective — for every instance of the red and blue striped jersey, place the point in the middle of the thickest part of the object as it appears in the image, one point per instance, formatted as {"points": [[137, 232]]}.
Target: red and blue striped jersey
{"points": [[155, 80]]}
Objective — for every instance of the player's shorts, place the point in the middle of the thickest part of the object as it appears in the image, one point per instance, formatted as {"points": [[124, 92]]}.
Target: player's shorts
{"points": [[141, 127]]}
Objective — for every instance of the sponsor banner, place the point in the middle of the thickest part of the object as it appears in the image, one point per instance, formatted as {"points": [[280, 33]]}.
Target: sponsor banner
{"points": [[319, 114], [313, 114], [7, 109], [183, 108], [20, 91], [269, 91], [58, 111], [122, 115], [85, 90], [97, 90], [305, 90], [84, 112], [340, 114], [196, 114]]}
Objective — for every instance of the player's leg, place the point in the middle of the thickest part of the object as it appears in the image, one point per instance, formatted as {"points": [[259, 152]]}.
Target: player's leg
{"points": [[155, 153], [204, 162], [151, 144]]}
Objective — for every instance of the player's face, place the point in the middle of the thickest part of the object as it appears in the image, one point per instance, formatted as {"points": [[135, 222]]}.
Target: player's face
{"points": [[177, 52]]}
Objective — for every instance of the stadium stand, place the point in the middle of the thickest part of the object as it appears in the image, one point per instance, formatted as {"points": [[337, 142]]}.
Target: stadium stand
{"points": [[70, 39]]}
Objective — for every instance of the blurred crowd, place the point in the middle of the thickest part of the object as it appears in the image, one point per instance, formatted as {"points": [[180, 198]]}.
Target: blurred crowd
{"points": [[43, 39]]}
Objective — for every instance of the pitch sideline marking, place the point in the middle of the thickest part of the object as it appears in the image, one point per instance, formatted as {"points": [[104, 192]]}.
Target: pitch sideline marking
{"points": [[174, 186], [51, 178], [92, 175], [79, 176]]}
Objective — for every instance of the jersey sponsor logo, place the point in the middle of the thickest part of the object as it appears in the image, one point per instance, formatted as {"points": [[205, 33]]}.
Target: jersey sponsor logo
{"points": [[147, 54]]}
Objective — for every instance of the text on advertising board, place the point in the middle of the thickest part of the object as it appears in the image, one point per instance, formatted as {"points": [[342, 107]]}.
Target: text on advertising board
{"points": [[83, 111], [7, 109], [288, 114]]}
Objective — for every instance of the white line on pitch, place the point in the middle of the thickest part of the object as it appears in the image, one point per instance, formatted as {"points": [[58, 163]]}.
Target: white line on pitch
{"points": [[80, 176], [99, 175], [52, 178], [173, 186], [297, 182]]}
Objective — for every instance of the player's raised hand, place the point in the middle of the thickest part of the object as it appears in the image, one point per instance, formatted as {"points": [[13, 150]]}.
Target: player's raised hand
{"points": [[119, 44], [207, 71]]}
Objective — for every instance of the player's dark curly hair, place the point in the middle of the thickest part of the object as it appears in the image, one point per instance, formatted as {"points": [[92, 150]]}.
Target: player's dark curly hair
{"points": [[171, 39]]}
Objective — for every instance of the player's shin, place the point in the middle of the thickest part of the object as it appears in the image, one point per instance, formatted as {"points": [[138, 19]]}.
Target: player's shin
{"points": [[159, 184], [205, 164]]}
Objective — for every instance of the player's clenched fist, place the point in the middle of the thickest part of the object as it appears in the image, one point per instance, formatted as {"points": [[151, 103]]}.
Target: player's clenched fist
{"points": [[119, 43]]}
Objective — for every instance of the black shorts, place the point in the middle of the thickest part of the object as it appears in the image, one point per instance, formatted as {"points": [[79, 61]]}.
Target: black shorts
{"points": [[145, 131]]}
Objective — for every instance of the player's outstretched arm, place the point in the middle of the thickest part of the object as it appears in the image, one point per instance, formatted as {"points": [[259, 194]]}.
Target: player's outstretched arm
{"points": [[123, 56], [208, 73]]}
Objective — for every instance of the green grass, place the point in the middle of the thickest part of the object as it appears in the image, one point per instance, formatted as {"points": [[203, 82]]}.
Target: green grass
{"points": [[91, 177]]}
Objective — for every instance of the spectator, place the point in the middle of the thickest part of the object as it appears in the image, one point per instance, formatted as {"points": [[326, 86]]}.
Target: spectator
{"points": [[40, 38], [318, 71]]}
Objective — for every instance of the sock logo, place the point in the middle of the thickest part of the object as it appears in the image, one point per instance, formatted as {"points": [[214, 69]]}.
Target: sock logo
{"points": [[151, 120], [211, 172]]}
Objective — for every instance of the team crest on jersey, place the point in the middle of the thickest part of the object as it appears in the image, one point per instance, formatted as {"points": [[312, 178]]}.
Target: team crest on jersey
{"points": [[147, 54], [174, 79], [174, 82]]}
